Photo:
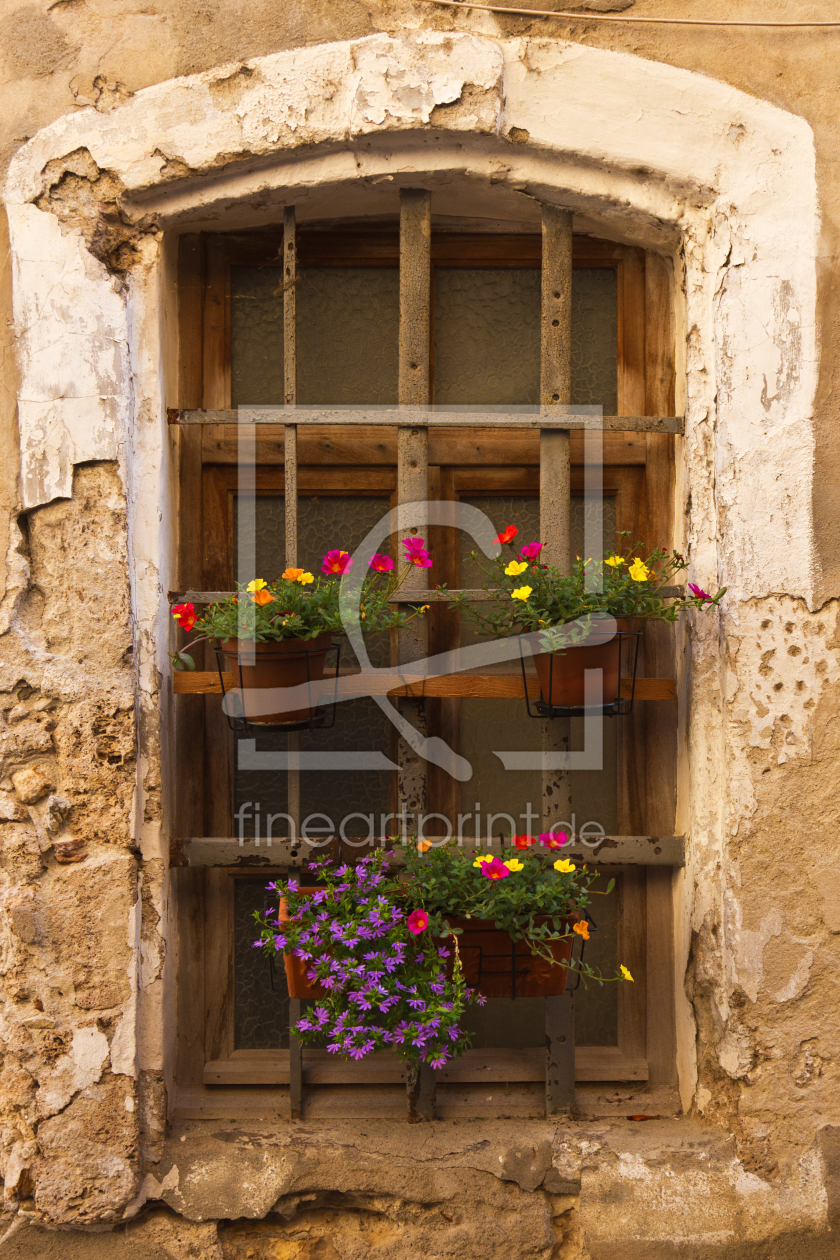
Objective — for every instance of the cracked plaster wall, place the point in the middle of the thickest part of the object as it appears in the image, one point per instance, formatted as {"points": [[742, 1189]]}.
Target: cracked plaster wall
{"points": [[641, 151]]}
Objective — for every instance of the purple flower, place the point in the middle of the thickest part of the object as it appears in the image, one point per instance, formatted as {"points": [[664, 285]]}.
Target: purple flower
{"points": [[293, 886]]}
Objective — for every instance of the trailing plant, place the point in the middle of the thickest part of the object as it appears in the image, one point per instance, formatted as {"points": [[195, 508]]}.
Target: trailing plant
{"points": [[562, 608], [299, 605], [385, 979]]}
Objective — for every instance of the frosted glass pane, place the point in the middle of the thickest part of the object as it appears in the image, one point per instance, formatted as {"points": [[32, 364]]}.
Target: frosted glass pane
{"points": [[487, 336], [261, 998], [347, 334], [256, 336]]}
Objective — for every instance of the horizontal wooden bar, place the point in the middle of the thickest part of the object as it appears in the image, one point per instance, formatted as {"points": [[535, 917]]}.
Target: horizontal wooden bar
{"points": [[416, 597], [371, 445], [418, 417], [278, 852], [458, 686], [592, 1063]]}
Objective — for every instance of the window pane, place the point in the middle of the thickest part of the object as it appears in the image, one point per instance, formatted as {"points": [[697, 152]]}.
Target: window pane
{"points": [[487, 336], [261, 997]]}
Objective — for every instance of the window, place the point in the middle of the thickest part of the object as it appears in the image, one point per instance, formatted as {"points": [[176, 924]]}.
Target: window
{"points": [[485, 349]]}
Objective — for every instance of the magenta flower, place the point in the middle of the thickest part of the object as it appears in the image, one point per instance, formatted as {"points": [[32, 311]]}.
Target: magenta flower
{"points": [[382, 564], [552, 841], [416, 553], [530, 551], [494, 869], [698, 592], [336, 562], [417, 922]]}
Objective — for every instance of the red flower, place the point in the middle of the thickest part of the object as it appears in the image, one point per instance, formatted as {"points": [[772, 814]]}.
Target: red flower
{"points": [[417, 922], [507, 535], [495, 869], [552, 841], [336, 562], [382, 564], [523, 842], [184, 614]]}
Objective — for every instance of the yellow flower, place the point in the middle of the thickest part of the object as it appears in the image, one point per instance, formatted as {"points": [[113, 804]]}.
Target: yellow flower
{"points": [[564, 866], [257, 585], [482, 858], [521, 592], [625, 972], [513, 864], [424, 608], [515, 568], [305, 579], [639, 571], [615, 562]]}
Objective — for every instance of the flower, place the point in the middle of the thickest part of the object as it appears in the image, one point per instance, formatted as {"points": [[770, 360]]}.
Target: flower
{"points": [[184, 614], [521, 592], [262, 597], [522, 842], [423, 846], [697, 592], [298, 575], [417, 922], [257, 585], [494, 869], [336, 562], [507, 534], [513, 864], [382, 564], [615, 562], [516, 567], [416, 553], [306, 578], [625, 972], [639, 571], [552, 841], [582, 929], [530, 551], [564, 866], [424, 608], [482, 858]]}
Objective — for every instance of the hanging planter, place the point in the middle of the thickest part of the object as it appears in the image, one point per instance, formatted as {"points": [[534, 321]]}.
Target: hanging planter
{"points": [[499, 967], [299, 984], [587, 619], [613, 649], [278, 665]]}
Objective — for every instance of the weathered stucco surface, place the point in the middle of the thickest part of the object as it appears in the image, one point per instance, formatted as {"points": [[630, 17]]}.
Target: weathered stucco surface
{"points": [[110, 150]]}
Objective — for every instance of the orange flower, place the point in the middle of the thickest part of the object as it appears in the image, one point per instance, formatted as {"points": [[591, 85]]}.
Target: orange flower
{"points": [[582, 929], [423, 846], [263, 597], [292, 575]]}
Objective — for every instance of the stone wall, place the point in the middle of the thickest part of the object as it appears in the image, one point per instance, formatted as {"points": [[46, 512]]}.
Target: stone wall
{"points": [[86, 527]]}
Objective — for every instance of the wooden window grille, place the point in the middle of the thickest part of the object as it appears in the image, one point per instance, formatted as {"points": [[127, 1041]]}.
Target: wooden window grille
{"points": [[415, 452]]}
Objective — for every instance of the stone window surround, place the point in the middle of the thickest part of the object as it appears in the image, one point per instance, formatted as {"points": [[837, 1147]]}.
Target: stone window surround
{"points": [[657, 157]]}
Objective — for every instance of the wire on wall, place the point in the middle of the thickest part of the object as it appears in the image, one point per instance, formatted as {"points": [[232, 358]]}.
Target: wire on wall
{"points": [[624, 17]]}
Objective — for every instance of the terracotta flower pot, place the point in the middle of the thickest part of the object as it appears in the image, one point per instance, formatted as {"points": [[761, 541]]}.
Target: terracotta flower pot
{"points": [[489, 958], [300, 986], [562, 673], [265, 666]]}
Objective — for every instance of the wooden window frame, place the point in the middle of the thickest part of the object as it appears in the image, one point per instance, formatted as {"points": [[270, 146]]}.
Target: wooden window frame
{"points": [[638, 467]]}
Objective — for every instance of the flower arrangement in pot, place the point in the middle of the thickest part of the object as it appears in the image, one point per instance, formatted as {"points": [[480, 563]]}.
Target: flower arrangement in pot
{"points": [[387, 954], [277, 634], [516, 918], [576, 621]]}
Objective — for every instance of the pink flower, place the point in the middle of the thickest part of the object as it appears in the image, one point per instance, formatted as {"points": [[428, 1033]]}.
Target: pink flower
{"points": [[382, 564], [495, 869], [336, 562], [417, 922], [530, 551], [698, 592], [551, 841], [416, 553]]}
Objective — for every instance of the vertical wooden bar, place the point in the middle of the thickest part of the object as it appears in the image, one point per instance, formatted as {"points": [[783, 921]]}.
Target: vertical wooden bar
{"points": [[560, 1054], [555, 529], [413, 487], [632, 952], [295, 1062], [290, 466], [662, 727]]}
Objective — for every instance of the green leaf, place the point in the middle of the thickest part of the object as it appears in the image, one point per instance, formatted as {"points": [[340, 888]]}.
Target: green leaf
{"points": [[610, 886], [185, 661]]}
